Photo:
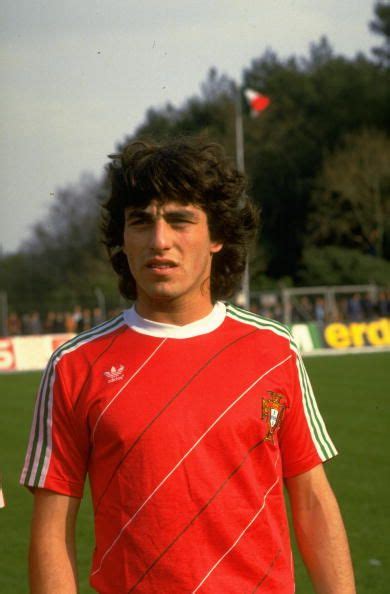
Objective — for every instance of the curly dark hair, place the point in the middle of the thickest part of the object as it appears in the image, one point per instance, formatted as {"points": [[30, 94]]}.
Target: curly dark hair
{"points": [[188, 171]]}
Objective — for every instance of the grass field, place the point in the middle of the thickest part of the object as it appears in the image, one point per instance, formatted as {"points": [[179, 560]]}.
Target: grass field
{"points": [[353, 392]]}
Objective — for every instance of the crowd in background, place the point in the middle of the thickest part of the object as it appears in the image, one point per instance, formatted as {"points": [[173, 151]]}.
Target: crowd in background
{"points": [[345, 308], [59, 322], [356, 307]]}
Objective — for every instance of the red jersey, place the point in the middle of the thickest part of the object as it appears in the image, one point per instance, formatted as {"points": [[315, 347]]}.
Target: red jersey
{"points": [[186, 433]]}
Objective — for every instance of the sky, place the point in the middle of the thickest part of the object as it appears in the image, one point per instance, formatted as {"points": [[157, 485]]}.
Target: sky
{"points": [[77, 77]]}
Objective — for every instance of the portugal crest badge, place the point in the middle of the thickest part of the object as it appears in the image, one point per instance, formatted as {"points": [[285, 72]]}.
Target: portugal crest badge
{"points": [[272, 412]]}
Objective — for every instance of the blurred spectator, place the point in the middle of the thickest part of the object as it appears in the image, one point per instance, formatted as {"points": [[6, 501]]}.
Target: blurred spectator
{"points": [[319, 310], [59, 323], [35, 323], [334, 314], [97, 316], [278, 312], [383, 304], [355, 308], [303, 310], [86, 320], [270, 306], [70, 322], [26, 323], [78, 319], [31, 323], [368, 304], [14, 325], [49, 323], [343, 308]]}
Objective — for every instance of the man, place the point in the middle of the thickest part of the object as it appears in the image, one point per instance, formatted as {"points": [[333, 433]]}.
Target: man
{"points": [[188, 414]]}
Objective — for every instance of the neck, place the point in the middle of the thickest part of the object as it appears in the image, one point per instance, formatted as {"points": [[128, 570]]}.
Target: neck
{"points": [[165, 312]]}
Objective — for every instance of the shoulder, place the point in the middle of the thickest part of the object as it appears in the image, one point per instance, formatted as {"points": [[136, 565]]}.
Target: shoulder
{"points": [[90, 342], [271, 327]]}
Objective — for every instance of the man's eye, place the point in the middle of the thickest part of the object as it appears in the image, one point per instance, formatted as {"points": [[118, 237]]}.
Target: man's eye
{"points": [[133, 222], [180, 222]]}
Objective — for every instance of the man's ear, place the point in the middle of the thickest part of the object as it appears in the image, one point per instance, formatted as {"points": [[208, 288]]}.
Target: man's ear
{"points": [[216, 247]]}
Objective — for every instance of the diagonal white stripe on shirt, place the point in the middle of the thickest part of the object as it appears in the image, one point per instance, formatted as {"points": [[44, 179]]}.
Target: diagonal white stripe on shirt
{"points": [[125, 386], [240, 535], [183, 458]]}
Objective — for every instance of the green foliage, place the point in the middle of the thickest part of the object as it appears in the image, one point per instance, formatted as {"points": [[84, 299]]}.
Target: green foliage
{"points": [[63, 261], [314, 103], [351, 201], [333, 265], [381, 26]]}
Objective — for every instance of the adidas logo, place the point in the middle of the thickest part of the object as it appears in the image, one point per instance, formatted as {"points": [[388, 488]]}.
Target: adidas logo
{"points": [[115, 374]]}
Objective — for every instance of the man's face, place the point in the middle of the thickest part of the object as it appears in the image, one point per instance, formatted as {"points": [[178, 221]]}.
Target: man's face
{"points": [[169, 251]]}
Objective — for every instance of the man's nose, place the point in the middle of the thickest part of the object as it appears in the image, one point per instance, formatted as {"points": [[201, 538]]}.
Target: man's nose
{"points": [[161, 237]]}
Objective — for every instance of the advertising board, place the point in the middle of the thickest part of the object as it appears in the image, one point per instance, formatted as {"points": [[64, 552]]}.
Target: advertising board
{"points": [[28, 353]]}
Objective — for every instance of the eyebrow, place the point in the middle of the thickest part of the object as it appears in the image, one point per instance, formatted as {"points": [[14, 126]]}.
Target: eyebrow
{"points": [[169, 215], [136, 212], [181, 213]]}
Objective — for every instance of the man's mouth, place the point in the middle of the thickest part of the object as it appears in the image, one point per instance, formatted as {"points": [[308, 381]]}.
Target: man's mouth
{"points": [[161, 264]]}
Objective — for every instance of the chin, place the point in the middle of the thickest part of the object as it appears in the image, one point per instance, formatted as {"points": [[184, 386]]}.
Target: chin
{"points": [[161, 294]]}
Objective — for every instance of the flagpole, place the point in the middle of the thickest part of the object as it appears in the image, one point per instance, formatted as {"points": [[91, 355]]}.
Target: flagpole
{"points": [[243, 297], [240, 159]]}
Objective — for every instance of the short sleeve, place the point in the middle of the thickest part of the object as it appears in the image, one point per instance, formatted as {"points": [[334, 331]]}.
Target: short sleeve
{"points": [[58, 448], [303, 438]]}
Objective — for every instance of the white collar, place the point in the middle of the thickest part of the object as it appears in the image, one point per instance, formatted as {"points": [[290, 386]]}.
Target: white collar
{"points": [[203, 326]]}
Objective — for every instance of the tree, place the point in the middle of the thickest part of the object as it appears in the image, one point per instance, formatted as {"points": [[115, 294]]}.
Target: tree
{"points": [[63, 261], [316, 100], [381, 26], [332, 265], [211, 115], [351, 202]]}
